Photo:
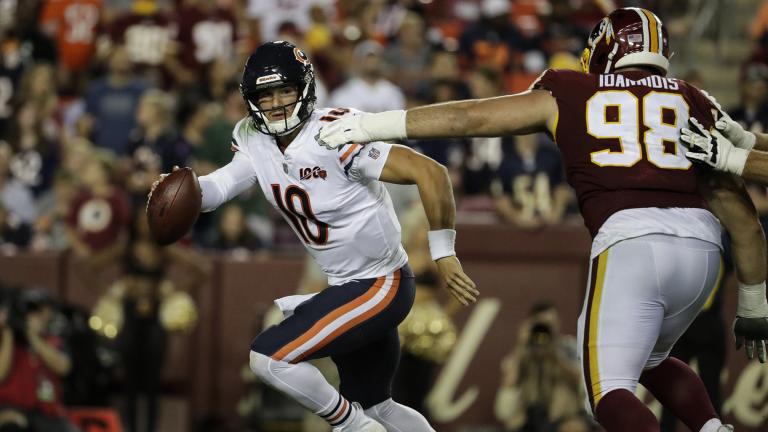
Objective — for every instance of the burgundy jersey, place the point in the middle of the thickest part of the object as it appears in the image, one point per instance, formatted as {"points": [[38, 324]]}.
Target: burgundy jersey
{"points": [[619, 137], [99, 221], [146, 37], [205, 36]]}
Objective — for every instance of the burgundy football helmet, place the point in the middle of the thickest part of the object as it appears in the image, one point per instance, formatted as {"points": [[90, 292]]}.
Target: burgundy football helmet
{"points": [[627, 37]]}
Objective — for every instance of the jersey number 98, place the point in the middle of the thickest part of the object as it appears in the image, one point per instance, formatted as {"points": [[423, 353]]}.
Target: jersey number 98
{"points": [[626, 128]]}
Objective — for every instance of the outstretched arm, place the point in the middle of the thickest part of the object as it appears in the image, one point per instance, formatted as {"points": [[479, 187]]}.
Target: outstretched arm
{"points": [[756, 168], [729, 201], [227, 182], [405, 166], [527, 112]]}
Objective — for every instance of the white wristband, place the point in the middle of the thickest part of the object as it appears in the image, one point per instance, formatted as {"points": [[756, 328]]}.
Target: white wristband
{"points": [[752, 302], [387, 125], [441, 243], [736, 160]]}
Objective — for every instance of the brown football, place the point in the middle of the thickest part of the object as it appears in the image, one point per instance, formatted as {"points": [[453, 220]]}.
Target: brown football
{"points": [[174, 206]]}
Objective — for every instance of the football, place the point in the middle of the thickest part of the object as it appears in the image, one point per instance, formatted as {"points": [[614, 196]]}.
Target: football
{"points": [[174, 206]]}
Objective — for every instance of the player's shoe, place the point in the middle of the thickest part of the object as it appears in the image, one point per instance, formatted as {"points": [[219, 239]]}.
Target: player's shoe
{"points": [[725, 428], [360, 422]]}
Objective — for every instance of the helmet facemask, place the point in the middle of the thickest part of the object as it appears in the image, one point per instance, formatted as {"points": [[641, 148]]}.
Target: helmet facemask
{"points": [[302, 108]]}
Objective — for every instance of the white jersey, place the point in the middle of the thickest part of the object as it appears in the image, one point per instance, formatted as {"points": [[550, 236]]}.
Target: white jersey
{"points": [[332, 199]]}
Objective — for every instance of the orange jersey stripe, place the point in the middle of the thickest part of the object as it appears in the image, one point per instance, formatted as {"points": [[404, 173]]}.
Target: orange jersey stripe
{"points": [[336, 313], [341, 330], [348, 152]]}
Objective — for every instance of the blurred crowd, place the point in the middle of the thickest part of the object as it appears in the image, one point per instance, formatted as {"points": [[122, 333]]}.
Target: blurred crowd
{"points": [[98, 97]]}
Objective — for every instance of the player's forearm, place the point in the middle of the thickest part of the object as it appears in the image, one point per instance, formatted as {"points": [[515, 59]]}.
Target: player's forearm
{"points": [[747, 244], [756, 168], [505, 115], [226, 183], [730, 202], [213, 196], [437, 196], [761, 142]]}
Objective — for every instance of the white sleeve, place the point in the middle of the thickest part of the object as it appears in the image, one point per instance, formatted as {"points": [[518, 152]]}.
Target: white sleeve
{"points": [[367, 162], [227, 182]]}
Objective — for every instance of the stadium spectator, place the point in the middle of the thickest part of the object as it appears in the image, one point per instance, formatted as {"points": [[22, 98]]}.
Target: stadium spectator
{"points": [[368, 90], [147, 32], [75, 25], [16, 198], [752, 111], [206, 32], [408, 57], [541, 384], [214, 150], [156, 146], [33, 362], [50, 228], [35, 157], [271, 14], [111, 103], [482, 156], [98, 214], [319, 35], [533, 191], [143, 339], [232, 235], [760, 26], [491, 41]]}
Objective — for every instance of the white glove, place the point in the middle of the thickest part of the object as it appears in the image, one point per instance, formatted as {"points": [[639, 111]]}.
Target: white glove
{"points": [[362, 128], [731, 129], [751, 324], [712, 148]]}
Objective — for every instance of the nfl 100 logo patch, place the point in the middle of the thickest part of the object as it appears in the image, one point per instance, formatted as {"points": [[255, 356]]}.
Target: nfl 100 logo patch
{"points": [[374, 153]]}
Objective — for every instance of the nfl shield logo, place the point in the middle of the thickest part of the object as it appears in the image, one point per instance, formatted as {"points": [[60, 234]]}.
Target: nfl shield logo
{"points": [[285, 168], [374, 153]]}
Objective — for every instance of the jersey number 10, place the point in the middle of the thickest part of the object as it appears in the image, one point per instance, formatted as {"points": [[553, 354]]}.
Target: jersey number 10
{"points": [[626, 128], [300, 220]]}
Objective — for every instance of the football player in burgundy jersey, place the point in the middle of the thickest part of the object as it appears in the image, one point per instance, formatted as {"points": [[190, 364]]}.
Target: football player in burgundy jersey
{"points": [[653, 218]]}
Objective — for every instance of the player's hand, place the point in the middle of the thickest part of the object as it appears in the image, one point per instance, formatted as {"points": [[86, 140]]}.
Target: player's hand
{"points": [[731, 129], [456, 281], [752, 333], [712, 149], [361, 128], [346, 130], [157, 182]]}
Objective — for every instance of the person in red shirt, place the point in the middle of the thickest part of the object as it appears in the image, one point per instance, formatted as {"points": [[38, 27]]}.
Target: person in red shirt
{"points": [[99, 214], [32, 365], [74, 24]]}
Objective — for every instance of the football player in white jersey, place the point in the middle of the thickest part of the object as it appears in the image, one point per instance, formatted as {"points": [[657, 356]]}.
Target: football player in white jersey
{"points": [[335, 202]]}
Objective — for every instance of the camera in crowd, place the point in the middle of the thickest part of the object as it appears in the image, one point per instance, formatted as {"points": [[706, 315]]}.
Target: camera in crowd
{"points": [[540, 336]]}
